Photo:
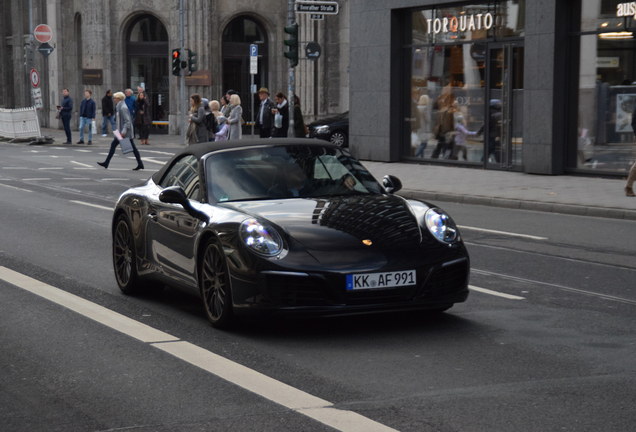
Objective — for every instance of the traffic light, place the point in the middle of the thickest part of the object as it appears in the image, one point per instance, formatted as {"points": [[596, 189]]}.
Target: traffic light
{"points": [[29, 56], [192, 61], [292, 44], [176, 62]]}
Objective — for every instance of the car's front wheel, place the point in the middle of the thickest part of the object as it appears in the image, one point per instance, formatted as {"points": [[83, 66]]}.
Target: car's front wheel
{"points": [[124, 258], [215, 287], [338, 138]]}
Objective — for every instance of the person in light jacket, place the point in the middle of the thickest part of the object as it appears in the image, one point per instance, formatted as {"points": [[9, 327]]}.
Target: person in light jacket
{"points": [[125, 128], [282, 108], [197, 116], [235, 118]]}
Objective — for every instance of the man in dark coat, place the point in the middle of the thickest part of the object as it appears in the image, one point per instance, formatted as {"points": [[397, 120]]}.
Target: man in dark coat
{"points": [[108, 112], [87, 117], [66, 111], [265, 117]]}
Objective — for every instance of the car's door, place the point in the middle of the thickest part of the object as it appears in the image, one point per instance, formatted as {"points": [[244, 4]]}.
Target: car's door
{"points": [[171, 230]]}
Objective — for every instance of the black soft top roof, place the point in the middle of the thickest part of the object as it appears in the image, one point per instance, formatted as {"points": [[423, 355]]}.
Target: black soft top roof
{"points": [[199, 150]]}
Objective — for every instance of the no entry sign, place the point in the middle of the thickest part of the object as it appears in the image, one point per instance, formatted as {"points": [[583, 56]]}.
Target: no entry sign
{"points": [[43, 33]]}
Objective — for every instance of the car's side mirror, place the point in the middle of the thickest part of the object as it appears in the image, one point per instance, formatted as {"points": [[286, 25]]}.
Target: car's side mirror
{"points": [[391, 184], [176, 195]]}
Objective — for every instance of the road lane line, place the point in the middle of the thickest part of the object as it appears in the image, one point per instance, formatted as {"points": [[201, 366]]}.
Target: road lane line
{"points": [[17, 188], [14, 168], [81, 164], [278, 392], [495, 293], [502, 232], [115, 179], [51, 168], [93, 205], [561, 287], [147, 159], [76, 178], [158, 152], [36, 179], [86, 308]]}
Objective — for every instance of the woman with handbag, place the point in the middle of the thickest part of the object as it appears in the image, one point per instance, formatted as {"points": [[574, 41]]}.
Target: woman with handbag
{"points": [[281, 116], [142, 117], [300, 128], [124, 129]]}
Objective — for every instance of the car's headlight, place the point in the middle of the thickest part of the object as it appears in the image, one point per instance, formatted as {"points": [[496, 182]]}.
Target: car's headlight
{"points": [[261, 238], [322, 129], [441, 225]]}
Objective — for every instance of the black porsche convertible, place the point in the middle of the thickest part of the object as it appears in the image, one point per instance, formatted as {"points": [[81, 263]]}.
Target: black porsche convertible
{"points": [[294, 227]]}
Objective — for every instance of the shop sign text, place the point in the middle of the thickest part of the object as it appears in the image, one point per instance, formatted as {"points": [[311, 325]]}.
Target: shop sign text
{"points": [[461, 24]]}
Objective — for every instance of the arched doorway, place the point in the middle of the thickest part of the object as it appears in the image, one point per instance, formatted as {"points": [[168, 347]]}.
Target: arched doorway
{"points": [[238, 35], [148, 53]]}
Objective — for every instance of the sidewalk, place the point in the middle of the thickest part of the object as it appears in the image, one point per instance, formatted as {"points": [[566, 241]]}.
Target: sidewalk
{"points": [[584, 196]]}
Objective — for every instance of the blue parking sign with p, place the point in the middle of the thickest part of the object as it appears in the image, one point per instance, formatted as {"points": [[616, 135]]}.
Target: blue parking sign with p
{"points": [[253, 50]]}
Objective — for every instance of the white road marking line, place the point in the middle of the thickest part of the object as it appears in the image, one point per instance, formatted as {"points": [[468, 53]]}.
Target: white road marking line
{"points": [[17, 188], [495, 293], [93, 205], [84, 168], [115, 179], [561, 287], [150, 160], [51, 168], [76, 178], [14, 168], [502, 232], [36, 179], [158, 152], [84, 307], [120, 169], [81, 164], [244, 377], [84, 151]]}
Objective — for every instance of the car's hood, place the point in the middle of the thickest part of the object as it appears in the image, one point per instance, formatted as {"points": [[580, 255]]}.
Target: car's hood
{"points": [[330, 120], [339, 224]]}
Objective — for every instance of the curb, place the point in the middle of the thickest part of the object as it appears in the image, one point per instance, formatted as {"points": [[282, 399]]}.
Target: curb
{"points": [[569, 209]]}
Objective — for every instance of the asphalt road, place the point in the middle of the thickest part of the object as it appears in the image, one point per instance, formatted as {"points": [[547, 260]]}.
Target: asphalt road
{"points": [[549, 346]]}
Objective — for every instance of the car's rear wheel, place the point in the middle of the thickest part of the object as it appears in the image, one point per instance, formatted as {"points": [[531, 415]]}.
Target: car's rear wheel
{"points": [[338, 138], [215, 287], [125, 258]]}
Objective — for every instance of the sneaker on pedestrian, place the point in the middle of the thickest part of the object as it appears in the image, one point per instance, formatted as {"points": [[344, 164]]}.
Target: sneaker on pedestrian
{"points": [[80, 142], [90, 142], [104, 135], [629, 192]]}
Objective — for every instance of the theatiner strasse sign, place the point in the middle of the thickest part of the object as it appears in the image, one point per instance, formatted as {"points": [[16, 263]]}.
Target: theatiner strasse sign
{"points": [[461, 24]]}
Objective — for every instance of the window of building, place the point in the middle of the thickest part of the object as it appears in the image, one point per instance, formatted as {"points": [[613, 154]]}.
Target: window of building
{"points": [[606, 91]]}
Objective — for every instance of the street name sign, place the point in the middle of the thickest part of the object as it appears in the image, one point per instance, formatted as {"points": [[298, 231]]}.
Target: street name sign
{"points": [[43, 33], [314, 7], [317, 17], [45, 49]]}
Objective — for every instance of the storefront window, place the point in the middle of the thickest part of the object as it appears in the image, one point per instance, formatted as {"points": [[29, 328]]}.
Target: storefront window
{"points": [[607, 89]]}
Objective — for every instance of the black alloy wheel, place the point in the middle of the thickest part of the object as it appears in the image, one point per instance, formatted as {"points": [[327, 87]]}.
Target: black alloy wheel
{"points": [[215, 287], [338, 138], [124, 257]]}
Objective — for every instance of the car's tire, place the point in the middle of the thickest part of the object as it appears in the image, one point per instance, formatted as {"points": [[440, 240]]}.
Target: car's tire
{"points": [[338, 138], [214, 285], [125, 258]]}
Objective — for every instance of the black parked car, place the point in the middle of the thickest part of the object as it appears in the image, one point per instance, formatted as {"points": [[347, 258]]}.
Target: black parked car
{"points": [[285, 226], [333, 129]]}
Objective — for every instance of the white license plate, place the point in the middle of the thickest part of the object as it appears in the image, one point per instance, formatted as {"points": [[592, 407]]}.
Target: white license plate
{"points": [[380, 280]]}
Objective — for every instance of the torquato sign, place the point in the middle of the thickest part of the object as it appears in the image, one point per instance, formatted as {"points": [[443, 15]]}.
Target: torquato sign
{"points": [[462, 23]]}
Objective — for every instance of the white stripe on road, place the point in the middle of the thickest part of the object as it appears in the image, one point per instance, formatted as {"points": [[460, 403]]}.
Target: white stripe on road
{"points": [[115, 179], [82, 164], [17, 188], [158, 152], [248, 379], [85, 168], [502, 232], [51, 168], [36, 179], [14, 168], [496, 293], [84, 151], [93, 205], [75, 178]]}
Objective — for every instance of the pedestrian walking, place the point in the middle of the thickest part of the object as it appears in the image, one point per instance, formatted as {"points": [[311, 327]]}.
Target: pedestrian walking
{"points": [[265, 117], [460, 137], [125, 129], [443, 124], [66, 111], [300, 129], [228, 106], [130, 103], [108, 112], [424, 130], [87, 116], [142, 118], [282, 109], [210, 120], [197, 132], [235, 118]]}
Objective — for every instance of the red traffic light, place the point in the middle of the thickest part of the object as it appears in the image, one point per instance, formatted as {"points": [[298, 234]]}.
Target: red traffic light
{"points": [[175, 54]]}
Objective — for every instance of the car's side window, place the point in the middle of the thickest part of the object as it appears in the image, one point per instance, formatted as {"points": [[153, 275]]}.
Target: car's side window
{"points": [[184, 173]]}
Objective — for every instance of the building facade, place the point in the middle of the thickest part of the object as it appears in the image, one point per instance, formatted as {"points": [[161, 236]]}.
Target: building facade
{"points": [[548, 85], [118, 44]]}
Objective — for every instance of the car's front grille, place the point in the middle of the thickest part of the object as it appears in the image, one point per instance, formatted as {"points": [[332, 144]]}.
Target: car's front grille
{"points": [[390, 295], [289, 290], [446, 280]]}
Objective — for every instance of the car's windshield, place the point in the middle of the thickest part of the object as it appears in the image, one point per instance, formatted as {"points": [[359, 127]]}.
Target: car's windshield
{"points": [[286, 172]]}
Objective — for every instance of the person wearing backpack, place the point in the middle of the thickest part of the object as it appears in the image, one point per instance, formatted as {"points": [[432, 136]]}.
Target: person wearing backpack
{"points": [[209, 120]]}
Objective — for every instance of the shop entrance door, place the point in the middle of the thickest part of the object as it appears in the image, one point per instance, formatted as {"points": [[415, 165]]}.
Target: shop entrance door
{"points": [[503, 140]]}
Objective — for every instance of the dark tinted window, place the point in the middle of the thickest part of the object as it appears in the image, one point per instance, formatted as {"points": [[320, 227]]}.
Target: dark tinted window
{"points": [[184, 173]]}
